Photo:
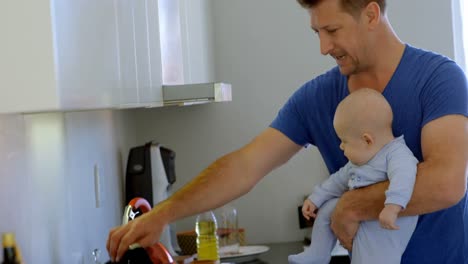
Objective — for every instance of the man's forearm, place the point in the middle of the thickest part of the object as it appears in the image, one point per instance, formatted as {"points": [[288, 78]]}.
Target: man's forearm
{"points": [[363, 203], [230, 176], [211, 182]]}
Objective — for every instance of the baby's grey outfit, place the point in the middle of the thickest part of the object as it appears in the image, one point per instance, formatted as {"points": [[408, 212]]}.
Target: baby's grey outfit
{"points": [[372, 244]]}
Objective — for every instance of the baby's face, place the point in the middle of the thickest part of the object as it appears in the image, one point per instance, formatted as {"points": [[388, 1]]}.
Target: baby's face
{"points": [[354, 146]]}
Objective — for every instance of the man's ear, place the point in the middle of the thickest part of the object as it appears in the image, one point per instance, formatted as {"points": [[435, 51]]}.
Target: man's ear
{"points": [[368, 139], [371, 14]]}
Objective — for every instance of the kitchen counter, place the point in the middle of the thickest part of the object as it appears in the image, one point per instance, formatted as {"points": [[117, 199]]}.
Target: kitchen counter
{"points": [[278, 254]]}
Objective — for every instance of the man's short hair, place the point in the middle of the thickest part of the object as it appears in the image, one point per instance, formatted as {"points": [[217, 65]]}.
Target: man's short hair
{"points": [[353, 7]]}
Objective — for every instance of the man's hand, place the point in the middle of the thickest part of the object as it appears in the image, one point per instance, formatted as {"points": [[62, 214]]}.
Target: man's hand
{"points": [[344, 230], [344, 226], [354, 206], [143, 231]]}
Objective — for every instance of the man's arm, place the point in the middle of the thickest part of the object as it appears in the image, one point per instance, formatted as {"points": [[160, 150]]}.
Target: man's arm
{"points": [[226, 179], [235, 174], [440, 181]]}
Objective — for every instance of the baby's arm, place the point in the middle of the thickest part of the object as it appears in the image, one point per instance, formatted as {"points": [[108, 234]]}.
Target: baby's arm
{"points": [[332, 187], [388, 216], [308, 209], [401, 171]]}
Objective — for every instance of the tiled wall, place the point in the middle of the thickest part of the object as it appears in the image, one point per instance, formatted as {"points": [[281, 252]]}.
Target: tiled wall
{"points": [[47, 182]]}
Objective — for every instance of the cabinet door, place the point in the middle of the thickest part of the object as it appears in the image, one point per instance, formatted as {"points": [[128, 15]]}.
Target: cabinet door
{"points": [[197, 40], [186, 41], [27, 79], [148, 51], [87, 53], [140, 56], [58, 55], [172, 56], [128, 77]]}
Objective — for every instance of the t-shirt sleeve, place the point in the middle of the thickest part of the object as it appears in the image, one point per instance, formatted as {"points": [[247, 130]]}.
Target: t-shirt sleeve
{"points": [[446, 93], [291, 120]]}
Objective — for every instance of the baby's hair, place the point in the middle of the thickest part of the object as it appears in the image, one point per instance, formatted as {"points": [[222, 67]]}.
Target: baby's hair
{"points": [[365, 109]]}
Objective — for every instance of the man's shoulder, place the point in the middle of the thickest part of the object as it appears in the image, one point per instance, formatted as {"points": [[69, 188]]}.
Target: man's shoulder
{"points": [[331, 76], [331, 84], [425, 58], [424, 70]]}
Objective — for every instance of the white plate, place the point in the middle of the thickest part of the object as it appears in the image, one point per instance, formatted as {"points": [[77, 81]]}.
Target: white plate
{"points": [[246, 253]]}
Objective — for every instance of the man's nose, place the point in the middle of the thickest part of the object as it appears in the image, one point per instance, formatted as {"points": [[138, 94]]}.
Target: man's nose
{"points": [[326, 44]]}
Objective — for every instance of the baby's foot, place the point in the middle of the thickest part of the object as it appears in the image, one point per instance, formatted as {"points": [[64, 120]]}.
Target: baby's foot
{"points": [[300, 258], [309, 257]]}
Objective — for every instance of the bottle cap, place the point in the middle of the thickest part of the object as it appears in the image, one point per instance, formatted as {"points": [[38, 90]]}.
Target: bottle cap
{"points": [[8, 240]]}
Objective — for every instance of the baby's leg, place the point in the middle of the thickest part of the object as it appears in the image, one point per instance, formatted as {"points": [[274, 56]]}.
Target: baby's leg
{"points": [[374, 244], [323, 239]]}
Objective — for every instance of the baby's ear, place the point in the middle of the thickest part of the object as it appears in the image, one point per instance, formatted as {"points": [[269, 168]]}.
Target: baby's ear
{"points": [[368, 139]]}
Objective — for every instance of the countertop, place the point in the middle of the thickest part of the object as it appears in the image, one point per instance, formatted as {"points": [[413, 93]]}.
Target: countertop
{"points": [[278, 254]]}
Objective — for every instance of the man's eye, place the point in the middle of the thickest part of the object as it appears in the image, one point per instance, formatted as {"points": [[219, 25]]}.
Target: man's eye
{"points": [[331, 31]]}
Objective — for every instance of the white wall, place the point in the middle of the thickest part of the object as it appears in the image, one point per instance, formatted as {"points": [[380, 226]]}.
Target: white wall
{"points": [[47, 182], [425, 24], [266, 50]]}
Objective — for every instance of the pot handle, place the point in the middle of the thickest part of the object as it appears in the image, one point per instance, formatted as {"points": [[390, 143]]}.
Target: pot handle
{"points": [[130, 211], [159, 254]]}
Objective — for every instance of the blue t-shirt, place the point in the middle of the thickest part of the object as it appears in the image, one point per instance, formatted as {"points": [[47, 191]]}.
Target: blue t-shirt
{"points": [[425, 86]]}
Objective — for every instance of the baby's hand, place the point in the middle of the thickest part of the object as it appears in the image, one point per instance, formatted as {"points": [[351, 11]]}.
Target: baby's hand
{"points": [[389, 215], [308, 209]]}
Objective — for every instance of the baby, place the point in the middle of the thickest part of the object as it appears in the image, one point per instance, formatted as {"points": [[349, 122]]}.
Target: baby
{"points": [[363, 122]]}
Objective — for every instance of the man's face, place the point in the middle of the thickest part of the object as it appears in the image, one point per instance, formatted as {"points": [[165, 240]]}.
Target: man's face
{"points": [[341, 35]]}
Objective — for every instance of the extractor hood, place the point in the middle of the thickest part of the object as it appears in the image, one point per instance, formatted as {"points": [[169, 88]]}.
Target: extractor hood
{"points": [[200, 93]]}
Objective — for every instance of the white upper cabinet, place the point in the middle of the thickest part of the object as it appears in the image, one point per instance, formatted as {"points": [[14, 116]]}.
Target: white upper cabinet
{"points": [[85, 53], [59, 55], [78, 54], [140, 53], [186, 41], [197, 41], [27, 57]]}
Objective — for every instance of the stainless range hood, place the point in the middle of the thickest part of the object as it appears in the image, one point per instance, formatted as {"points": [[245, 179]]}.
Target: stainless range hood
{"points": [[190, 94]]}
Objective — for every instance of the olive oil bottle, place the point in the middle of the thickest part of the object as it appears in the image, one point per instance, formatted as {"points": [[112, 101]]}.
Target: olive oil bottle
{"points": [[207, 239], [9, 249]]}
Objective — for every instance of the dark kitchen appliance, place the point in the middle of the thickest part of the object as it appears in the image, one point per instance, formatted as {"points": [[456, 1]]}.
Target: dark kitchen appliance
{"points": [[150, 174]]}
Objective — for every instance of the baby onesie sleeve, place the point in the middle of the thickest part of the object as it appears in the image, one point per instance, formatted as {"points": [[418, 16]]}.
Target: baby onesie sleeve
{"points": [[332, 187], [401, 171]]}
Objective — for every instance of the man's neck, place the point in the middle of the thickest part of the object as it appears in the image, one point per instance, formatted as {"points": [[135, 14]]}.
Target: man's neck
{"points": [[386, 58]]}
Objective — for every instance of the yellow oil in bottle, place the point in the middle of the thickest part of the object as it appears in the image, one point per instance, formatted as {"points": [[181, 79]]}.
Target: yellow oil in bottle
{"points": [[207, 240], [9, 252]]}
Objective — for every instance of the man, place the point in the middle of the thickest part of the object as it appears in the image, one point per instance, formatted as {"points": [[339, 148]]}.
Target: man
{"points": [[428, 95]]}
